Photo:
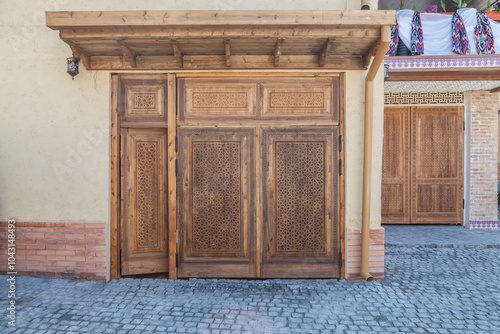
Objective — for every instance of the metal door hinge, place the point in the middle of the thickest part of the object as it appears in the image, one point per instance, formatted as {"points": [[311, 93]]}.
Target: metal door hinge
{"points": [[463, 204], [175, 167], [340, 260], [175, 143], [340, 143], [177, 260], [340, 166]]}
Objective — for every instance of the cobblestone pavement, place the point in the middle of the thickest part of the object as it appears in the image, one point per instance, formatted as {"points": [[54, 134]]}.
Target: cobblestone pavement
{"points": [[426, 290], [440, 236]]}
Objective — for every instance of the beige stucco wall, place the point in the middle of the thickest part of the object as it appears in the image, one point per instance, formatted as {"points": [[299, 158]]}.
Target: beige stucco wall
{"points": [[55, 148]]}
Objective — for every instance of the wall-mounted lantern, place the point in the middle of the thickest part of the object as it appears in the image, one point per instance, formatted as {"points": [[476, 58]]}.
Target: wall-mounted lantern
{"points": [[73, 66], [386, 72]]}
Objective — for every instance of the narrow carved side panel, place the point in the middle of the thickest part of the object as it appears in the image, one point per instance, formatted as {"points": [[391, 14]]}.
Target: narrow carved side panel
{"points": [[147, 195]]}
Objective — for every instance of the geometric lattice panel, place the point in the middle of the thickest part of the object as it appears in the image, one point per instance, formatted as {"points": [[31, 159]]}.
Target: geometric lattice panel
{"points": [[147, 201], [216, 199], [300, 183], [424, 98]]}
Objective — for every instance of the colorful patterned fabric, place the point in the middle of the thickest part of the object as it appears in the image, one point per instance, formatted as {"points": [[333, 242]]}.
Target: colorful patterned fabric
{"points": [[459, 34], [484, 35], [417, 36], [394, 40]]}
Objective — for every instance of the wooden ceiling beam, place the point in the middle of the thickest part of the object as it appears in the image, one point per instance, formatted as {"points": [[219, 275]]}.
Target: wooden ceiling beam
{"points": [[348, 34], [219, 62], [277, 51], [227, 48], [243, 18], [80, 53], [128, 56], [178, 53], [325, 50]]}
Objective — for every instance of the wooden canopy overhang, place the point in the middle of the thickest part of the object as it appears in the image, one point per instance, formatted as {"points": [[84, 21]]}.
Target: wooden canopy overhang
{"points": [[168, 40]]}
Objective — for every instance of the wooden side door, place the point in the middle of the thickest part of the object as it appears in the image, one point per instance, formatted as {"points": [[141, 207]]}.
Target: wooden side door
{"points": [[437, 165], [144, 246], [216, 217], [396, 166], [300, 198]]}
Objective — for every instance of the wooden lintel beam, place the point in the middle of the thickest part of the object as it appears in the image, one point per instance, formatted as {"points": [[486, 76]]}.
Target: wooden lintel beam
{"points": [[178, 53], [495, 90], [128, 55], [325, 50], [277, 51], [79, 52], [367, 57], [227, 46]]}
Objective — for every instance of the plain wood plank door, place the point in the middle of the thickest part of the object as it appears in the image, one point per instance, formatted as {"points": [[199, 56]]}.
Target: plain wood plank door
{"points": [[437, 165], [300, 198], [216, 202], [396, 166], [144, 201]]}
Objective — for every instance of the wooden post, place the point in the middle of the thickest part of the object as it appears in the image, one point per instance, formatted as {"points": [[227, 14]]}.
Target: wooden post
{"points": [[115, 196], [172, 185]]}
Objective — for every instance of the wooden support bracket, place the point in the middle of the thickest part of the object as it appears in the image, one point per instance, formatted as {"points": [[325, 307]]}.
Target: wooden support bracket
{"points": [[325, 50], [178, 53], [129, 56], [367, 57], [277, 51], [79, 52], [227, 46], [495, 90]]}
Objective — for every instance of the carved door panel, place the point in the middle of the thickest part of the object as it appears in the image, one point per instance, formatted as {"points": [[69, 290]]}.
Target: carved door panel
{"points": [[300, 202], [437, 165], [216, 183], [396, 166], [144, 247]]}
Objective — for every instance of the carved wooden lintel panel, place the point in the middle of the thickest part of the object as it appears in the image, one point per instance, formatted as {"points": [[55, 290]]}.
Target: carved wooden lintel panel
{"points": [[143, 98], [268, 100]]}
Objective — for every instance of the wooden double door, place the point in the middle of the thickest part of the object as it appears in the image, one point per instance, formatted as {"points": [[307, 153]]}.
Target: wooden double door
{"points": [[257, 182], [422, 165]]}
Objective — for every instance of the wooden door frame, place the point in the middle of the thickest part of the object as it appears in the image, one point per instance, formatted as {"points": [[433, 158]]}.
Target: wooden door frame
{"points": [[115, 216]]}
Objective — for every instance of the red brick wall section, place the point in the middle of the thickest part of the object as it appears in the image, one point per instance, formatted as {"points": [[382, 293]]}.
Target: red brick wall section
{"points": [[484, 156], [74, 250], [376, 264]]}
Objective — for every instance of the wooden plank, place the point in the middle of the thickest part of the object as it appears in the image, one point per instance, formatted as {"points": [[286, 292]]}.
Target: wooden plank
{"points": [[115, 196], [277, 51], [182, 18], [172, 180], [341, 203], [165, 35], [227, 46], [325, 50], [128, 56]]}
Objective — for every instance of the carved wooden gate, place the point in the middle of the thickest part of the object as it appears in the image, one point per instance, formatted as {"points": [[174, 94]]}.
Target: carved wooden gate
{"points": [[422, 174], [255, 198]]}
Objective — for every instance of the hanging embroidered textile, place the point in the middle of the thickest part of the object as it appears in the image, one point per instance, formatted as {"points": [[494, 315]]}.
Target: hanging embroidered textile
{"points": [[417, 44], [393, 47], [459, 35], [483, 35]]}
